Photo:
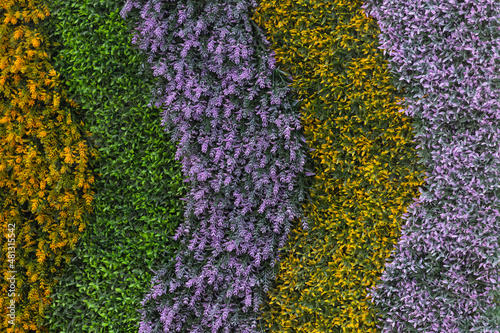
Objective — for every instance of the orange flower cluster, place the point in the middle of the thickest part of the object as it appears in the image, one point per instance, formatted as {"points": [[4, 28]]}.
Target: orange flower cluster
{"points": [[45, 178]]}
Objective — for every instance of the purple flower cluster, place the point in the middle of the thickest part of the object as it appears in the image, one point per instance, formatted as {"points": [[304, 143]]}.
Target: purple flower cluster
{"points": [[242, 153], [444, 274]]}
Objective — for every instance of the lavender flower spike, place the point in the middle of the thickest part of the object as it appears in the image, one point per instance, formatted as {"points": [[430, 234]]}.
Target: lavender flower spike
{"points": [[239, 142]]}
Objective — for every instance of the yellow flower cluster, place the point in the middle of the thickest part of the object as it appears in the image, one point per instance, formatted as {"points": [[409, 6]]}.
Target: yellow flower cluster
{"points": [[366, 171], [44, 171]]}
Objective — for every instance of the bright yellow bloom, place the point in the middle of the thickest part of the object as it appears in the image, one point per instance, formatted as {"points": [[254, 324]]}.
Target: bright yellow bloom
{"points": [[364, 159]]}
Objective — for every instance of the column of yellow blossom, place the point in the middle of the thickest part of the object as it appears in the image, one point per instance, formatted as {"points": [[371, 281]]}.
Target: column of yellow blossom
{"points": [[366, 170]]}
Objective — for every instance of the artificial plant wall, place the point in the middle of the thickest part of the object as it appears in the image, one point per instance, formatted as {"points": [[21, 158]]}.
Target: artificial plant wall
{"points": [[215, 85]]}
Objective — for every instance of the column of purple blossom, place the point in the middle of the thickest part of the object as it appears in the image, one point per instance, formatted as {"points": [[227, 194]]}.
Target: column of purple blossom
{"points": [[444, 275], [242, 153]]}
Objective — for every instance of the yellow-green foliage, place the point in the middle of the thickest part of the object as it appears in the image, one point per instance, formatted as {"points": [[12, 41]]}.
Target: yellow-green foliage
{"points": [[365, 160], [44, 169]]}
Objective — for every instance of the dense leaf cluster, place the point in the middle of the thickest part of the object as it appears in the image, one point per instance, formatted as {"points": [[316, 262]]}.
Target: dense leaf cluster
{"points": [[137, 206], [45, 178], [242, 154], [365, 165], [445, 274]]}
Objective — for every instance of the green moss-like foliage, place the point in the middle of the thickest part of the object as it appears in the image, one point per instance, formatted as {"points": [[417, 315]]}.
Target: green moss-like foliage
{"points": [[137, 206]]}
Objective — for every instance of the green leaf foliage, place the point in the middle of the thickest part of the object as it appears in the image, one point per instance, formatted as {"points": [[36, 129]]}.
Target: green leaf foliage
{"points": [[137, 206]]}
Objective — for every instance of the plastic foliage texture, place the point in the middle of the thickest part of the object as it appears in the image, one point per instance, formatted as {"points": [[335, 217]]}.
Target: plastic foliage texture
{"points": [[242, 154]]}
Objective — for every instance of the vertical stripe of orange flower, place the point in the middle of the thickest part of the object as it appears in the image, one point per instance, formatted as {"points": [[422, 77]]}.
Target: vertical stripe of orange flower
{"points": [[44, 176]]}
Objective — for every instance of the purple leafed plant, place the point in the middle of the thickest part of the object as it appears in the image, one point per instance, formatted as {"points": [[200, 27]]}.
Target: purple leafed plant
{"points": [[444, 275], [242, 153]]}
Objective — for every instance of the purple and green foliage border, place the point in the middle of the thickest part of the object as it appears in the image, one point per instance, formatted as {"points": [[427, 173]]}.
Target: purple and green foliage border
{"points": [[242, 153], [444, 274]]}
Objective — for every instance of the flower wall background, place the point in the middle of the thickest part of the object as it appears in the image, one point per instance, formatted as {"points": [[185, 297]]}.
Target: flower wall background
{"points": [[250, 166]]}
